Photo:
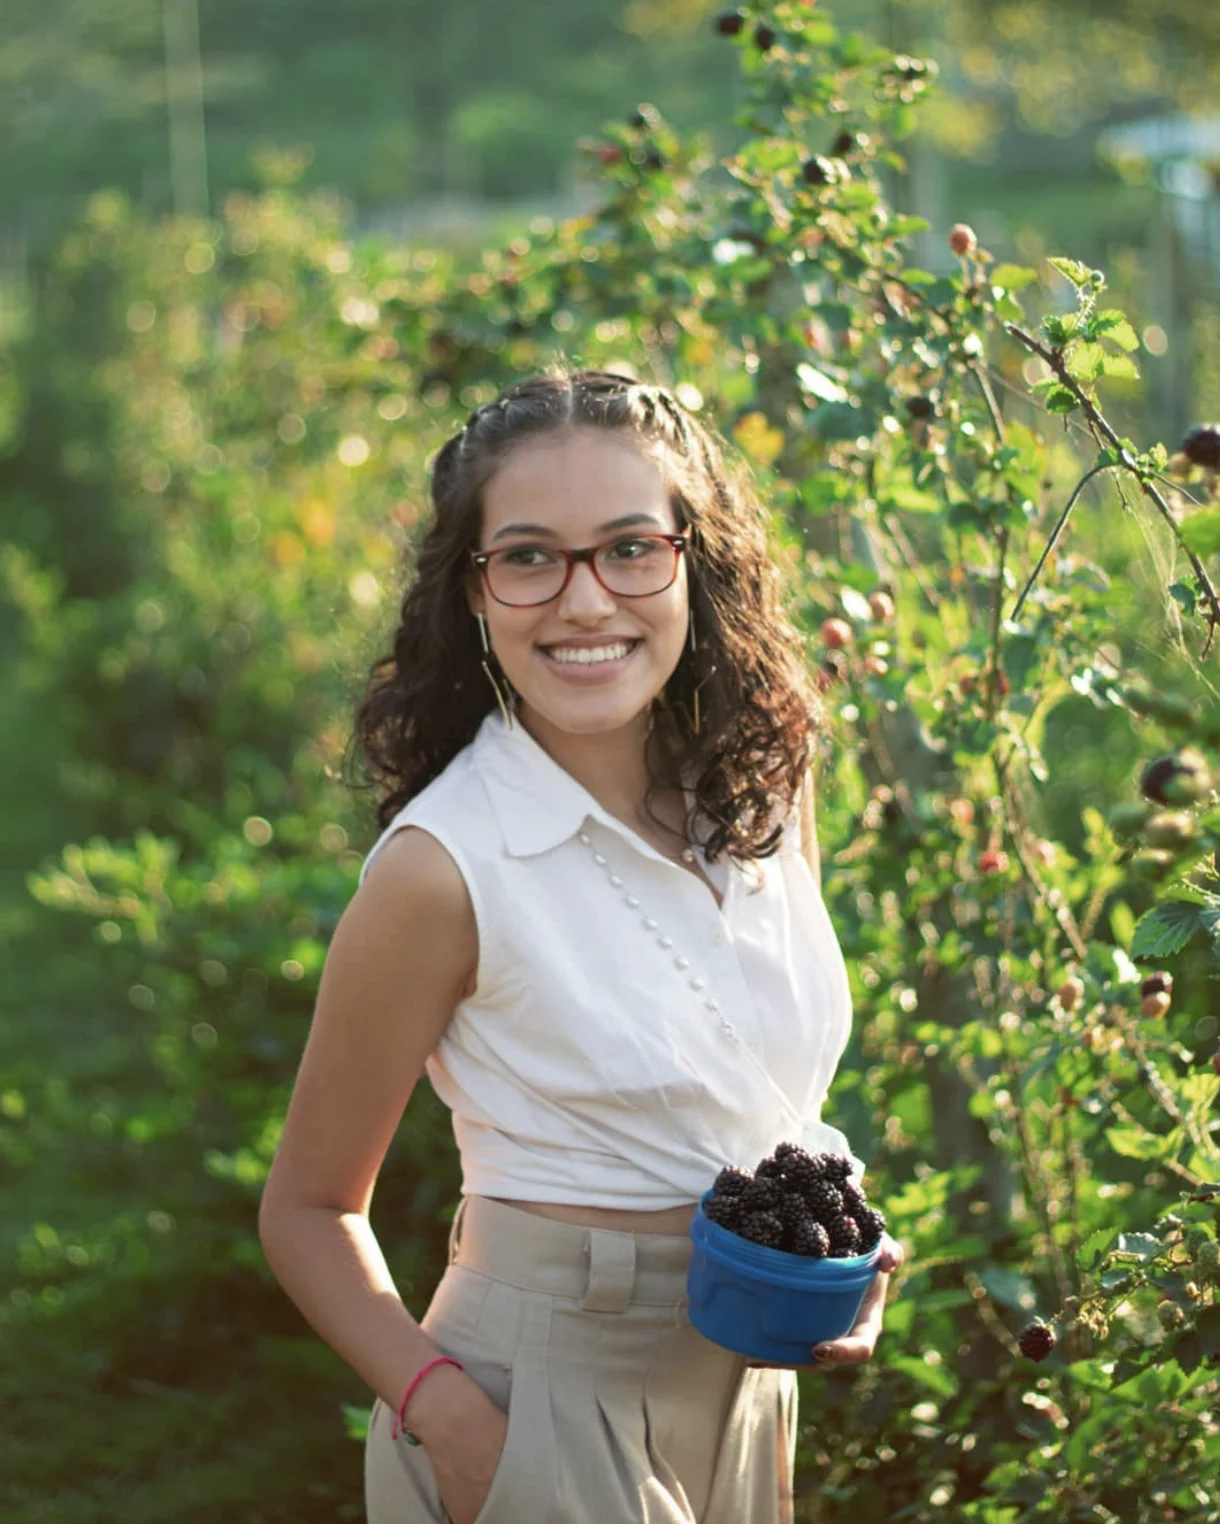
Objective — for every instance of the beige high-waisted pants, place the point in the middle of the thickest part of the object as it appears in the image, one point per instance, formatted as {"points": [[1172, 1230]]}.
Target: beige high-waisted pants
{"points": [[619, 1410]]}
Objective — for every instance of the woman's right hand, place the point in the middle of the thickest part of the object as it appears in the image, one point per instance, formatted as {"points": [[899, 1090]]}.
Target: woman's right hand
{"points": [[465, 1453]]}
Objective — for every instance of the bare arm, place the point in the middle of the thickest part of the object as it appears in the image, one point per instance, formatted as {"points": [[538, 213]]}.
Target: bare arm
{"points": [[403, 954]]}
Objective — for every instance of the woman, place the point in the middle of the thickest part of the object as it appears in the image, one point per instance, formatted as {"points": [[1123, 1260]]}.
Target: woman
{"points": [[593, 917]]}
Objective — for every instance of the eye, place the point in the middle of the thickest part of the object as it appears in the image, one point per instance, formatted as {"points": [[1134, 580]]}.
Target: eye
{"points": [[520, 555], [631, 550]]}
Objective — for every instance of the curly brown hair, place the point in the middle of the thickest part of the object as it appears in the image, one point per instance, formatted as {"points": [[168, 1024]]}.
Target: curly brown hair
{"points": [[759, 711]]}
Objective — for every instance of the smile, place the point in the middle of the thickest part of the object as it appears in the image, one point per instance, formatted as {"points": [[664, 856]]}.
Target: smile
{"points": [[590, 656]]}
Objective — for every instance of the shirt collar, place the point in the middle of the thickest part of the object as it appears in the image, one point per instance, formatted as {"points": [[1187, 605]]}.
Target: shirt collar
{"points": [[537, 803]]}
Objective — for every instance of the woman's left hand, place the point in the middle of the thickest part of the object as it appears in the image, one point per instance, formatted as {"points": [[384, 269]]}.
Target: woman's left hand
{"points": [[856, 1346]]}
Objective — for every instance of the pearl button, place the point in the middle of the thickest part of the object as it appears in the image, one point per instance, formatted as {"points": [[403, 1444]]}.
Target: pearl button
{"points": [[585, 839], [600, 859], [615, 881], [632, 902], [712, 1005], [688, 855], [696, 984], [681, 963], [666, 942], [649, 924]]}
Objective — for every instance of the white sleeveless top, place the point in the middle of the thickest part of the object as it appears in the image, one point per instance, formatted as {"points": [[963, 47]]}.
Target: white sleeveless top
{"points": [[627, 1037]]}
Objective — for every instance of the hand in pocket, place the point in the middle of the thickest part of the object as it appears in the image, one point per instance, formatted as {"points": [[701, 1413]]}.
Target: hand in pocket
{"points": [[466, 1458]]}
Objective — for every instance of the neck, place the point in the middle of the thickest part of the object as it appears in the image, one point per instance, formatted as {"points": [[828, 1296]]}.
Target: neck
{"points": [[609, 764]]}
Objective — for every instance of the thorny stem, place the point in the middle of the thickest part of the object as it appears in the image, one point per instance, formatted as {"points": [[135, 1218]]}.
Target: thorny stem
{"points": [[1054, 358], [1057, 908]]}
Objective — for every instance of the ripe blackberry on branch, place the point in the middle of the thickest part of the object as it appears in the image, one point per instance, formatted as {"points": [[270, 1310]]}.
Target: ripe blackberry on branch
{"points": [[1036, 1340]]}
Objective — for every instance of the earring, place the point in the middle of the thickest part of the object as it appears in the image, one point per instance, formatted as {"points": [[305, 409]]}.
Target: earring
{"points": [[504, 709], [707, 679]]}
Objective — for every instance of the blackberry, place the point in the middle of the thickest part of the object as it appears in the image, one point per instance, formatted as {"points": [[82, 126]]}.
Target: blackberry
{"points": [[853, 1199], [759, 1195], [784, 1151], [811, 1239], [804, 1170], [791, 1211], [1036, 1341], [763, 1228], [825, 1202], [871, 1223], [838, 1167], [1157, 984], [764, 37], [1202, 445], [729, 23], [769, 1169], [920, 407], [1176, 779], [725, 1210], [731, 1181], [844, 1238]]}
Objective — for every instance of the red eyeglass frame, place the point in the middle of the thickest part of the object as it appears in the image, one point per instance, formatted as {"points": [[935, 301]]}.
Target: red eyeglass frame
{"points": [[678, 542]]}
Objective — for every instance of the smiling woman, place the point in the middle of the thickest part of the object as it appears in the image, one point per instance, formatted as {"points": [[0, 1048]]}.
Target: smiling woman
{"points": [[592, 917]]}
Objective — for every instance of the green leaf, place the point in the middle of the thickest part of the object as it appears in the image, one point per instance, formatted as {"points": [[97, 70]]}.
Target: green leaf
{"points": [[1114, 326], [1094, 1247], [1059, 399], [1009, 1287], [1143, 1244], [1135, 1143], [1085, 362], [937, 1378], [1013, 277], [819, 385], [1201, 533], [1121, 366], [1165, 929], [1207, 1326], [1071, 269]]}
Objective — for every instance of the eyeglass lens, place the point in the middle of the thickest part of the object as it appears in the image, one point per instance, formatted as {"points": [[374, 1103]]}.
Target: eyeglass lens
{"points": [[634, 568]]}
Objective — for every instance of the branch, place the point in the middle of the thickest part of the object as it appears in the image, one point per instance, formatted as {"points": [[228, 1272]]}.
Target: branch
{"points": [[1054, 358], [1056, 532]]}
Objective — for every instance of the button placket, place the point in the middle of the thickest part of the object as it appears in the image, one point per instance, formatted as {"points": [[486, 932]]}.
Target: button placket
{"points": [[696, 982]]}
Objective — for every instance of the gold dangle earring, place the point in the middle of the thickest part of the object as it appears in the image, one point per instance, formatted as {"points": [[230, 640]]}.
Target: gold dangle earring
{"points": [[504, 709], [710, 675]]}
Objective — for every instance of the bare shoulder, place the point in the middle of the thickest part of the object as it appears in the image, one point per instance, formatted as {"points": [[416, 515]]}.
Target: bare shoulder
{"points": [[403, 956]]}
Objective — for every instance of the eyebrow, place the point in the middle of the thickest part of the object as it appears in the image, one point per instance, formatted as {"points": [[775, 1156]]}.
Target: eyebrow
{"points": [[550, 534]]}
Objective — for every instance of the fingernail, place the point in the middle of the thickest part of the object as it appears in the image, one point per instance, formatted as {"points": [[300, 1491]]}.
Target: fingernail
{"points": [[821, 1351]]}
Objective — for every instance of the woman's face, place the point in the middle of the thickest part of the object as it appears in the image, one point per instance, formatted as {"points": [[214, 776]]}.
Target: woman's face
{"points": [[580, 488]]}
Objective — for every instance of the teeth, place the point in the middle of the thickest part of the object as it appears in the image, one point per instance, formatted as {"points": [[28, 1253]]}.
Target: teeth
{"points": [[587, 656]]}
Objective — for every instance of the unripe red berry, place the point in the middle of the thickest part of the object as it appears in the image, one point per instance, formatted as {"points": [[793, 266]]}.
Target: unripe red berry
{"points": [[962, 238], [836, 633], [608, 153], [1216, 1060], [876, 666], [1071, 993], [1155, 1005], [993, 861]]}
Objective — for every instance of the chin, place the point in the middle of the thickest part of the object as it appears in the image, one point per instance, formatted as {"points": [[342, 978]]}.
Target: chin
{"points": [[597, 715]]}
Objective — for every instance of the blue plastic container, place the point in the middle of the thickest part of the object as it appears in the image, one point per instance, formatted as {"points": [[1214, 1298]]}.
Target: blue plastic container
{"points": [[767, 1303]]}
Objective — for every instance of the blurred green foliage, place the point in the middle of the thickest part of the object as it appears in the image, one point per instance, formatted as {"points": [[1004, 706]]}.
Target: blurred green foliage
{"points": [[217, 439]]}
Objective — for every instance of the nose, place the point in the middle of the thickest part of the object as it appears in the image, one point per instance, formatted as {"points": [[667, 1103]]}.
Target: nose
{"points": [[585, 597]]}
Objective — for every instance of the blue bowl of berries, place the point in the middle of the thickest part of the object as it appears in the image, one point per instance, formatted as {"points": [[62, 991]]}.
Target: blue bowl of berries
{"points": [[782, 1258]]}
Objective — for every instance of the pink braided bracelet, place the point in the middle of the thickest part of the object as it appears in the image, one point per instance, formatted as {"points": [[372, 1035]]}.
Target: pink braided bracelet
{"points": [[415, 1380]]}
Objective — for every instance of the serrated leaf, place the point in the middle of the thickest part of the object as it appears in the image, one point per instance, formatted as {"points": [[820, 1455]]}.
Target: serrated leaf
{"points": [[1009, 1287], [1094, 1247], [1086, 362], [1143, 1244], [1114, 325], [1071, 269], [1165, 929], [1201, 533], [1060, 400], [1121, 366]]}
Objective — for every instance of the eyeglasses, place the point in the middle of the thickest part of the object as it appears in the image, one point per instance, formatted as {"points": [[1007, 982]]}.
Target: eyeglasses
{"points": [[633, 567]]}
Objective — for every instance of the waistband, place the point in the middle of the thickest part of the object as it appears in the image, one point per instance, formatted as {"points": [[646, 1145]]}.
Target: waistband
{"points": [[603, 1270]]}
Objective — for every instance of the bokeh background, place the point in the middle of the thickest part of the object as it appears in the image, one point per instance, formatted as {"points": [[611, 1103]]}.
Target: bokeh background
{"points": [[130, 1160]]}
